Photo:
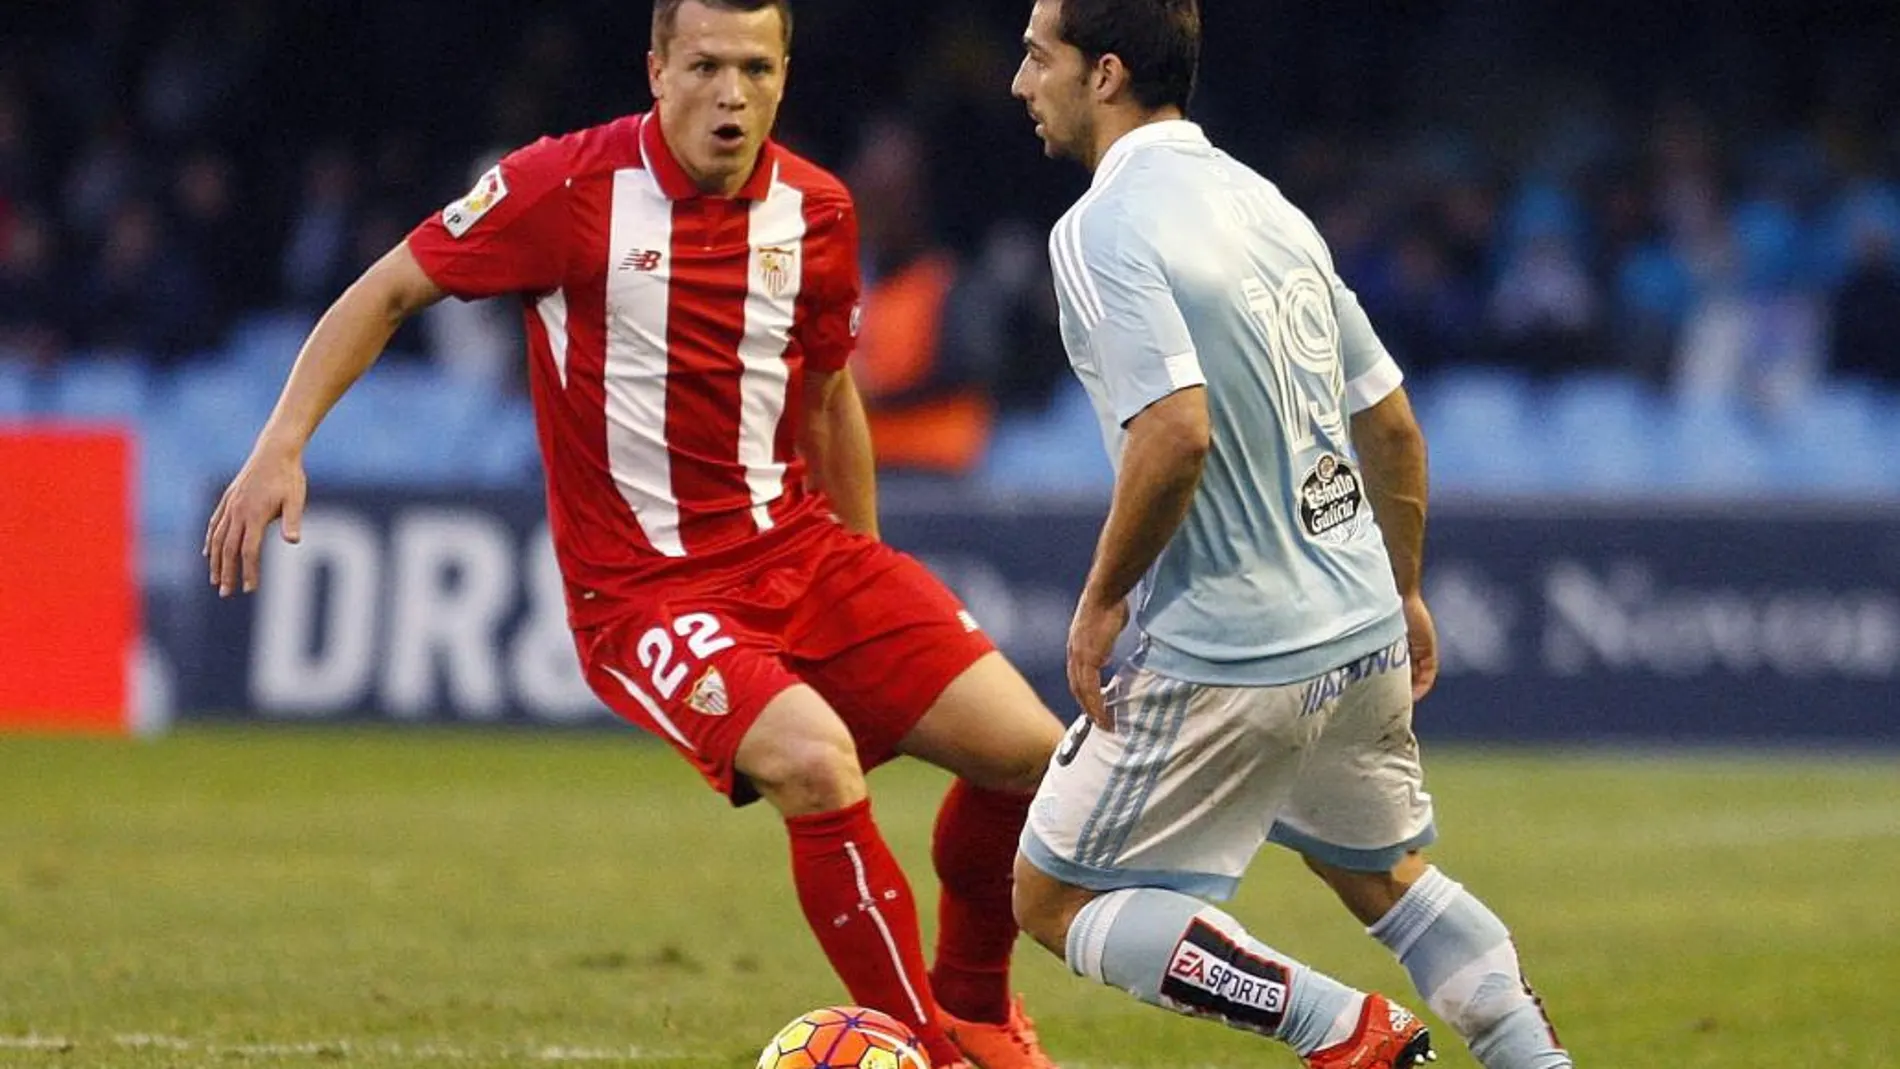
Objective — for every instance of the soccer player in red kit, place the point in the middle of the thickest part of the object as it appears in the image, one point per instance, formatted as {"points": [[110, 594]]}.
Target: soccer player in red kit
{"points": [[690, 290]]}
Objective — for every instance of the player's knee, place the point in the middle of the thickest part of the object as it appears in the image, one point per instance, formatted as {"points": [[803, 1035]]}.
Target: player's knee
{"points": [[1023, 772], [1020, 771], [1038, 918], [1045, 907], [807, 775]]}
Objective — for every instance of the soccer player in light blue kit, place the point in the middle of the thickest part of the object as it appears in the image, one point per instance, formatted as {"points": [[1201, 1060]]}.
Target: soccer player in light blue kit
{"points": [[1267, 523]]}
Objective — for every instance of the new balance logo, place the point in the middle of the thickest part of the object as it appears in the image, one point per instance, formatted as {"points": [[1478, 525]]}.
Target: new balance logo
{"points": [[641, 260]]}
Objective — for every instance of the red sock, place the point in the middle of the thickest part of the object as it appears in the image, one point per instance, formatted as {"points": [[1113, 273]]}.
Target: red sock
{"points": [[974, 848], [859, 905]]}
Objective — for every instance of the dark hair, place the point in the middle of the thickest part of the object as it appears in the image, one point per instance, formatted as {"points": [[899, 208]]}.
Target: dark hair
{"points": [[666, 15], [1159, 41]]}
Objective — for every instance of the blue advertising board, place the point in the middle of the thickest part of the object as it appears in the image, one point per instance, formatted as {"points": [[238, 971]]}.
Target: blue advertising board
{"points": [[1762, 622], [1570, 623]]}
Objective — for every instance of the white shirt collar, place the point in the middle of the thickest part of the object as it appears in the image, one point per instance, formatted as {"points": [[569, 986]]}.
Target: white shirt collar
{"points": [[1167, 131]]}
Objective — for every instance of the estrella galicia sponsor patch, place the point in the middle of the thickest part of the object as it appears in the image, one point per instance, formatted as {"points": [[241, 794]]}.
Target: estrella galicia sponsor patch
{"points": [[1332, 501], [461, 216], [1212, 976]]}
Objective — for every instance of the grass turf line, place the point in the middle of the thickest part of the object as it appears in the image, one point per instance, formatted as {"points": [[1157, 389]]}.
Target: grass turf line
{"points": [[375, 898]]}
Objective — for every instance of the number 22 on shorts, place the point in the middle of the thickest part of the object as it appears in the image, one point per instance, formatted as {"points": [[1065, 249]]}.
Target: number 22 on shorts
{"points": [[667, 671]]}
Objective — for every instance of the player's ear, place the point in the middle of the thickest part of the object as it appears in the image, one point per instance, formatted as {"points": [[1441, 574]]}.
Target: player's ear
{"points": [[1108, 77], [654, 63]]}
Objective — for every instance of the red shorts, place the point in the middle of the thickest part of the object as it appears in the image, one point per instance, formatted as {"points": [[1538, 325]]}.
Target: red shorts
{"points": [[698, 657]]}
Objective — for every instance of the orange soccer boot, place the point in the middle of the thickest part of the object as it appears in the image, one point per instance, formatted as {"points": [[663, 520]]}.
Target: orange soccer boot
{"points": [[1388, 1037], [1010, 1045]]}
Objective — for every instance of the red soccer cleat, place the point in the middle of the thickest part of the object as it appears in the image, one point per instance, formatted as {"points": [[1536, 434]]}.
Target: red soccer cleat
{"points": [[1010, 1045], [1388, 1037]]}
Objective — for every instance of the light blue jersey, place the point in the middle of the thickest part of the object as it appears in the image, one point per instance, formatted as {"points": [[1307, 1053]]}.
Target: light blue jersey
{"points": [[1181, 267]]}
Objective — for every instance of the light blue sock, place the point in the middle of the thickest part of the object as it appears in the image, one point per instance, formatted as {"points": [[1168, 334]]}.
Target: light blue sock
{"points": [[1461, 958], [1175, 951]]}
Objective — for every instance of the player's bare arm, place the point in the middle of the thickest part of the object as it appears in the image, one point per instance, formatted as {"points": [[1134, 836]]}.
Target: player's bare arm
{"points": [[1161, 464], [836, 444], [1392, 450], [346, 341]]}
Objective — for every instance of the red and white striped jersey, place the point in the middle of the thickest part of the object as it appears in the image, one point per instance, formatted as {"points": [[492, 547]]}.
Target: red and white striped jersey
{"points": [[668, 337]]}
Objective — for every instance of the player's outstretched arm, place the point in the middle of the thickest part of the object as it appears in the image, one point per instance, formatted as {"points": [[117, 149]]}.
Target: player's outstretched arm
{"points": [[346, 341], [1392, 449]]}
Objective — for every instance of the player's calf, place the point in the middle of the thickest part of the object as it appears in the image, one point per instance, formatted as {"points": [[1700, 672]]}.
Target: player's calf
{"points": [[800, 756], [972, 848], [1462, 959], [1172, 950], [859, 905]]}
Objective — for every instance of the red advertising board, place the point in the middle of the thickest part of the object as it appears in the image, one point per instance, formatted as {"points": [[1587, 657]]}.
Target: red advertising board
{"points": [[68, 601]]}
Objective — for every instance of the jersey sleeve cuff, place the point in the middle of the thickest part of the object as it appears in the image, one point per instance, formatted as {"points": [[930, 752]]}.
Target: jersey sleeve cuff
{"points": [[1183, 371], [1374, 385], [422, 246]]}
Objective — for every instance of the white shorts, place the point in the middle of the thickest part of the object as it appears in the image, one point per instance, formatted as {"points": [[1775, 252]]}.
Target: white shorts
{"points": [[1196, 777]]}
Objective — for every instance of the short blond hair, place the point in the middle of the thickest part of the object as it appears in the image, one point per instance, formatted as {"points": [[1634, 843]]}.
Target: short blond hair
{"points": [[666, 15]]}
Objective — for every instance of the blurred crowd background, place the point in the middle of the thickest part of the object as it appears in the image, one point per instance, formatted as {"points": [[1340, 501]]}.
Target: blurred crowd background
{"points": [[1621, 248]]}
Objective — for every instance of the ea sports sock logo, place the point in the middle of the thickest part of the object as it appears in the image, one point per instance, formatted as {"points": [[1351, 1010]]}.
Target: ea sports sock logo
{"points": [[1210, 975]]}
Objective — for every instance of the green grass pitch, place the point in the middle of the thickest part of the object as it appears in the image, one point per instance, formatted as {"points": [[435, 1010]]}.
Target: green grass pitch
{"points": [[298, 898]]}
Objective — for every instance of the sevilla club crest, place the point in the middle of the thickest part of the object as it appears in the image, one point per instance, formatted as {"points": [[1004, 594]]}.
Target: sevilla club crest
{"points": [[778, 266]]}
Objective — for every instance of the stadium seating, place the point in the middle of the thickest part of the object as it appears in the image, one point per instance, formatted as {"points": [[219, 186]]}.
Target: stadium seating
{"points": [[1599, 434], [1484, 430], [1056, 453], [16, 391], [176, 485], [1835, 442], [505, 453], [100, 386], [403, 424], [1711, 447], [1492, 431], [267, 343]]}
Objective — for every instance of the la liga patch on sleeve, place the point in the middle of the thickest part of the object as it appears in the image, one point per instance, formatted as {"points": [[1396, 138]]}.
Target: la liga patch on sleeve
{"points": [[461, 216]]}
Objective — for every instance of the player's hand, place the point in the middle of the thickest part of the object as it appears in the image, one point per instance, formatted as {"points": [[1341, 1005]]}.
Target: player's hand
{"points": [[1092, 637], [272, 484], [1421, 637]]}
